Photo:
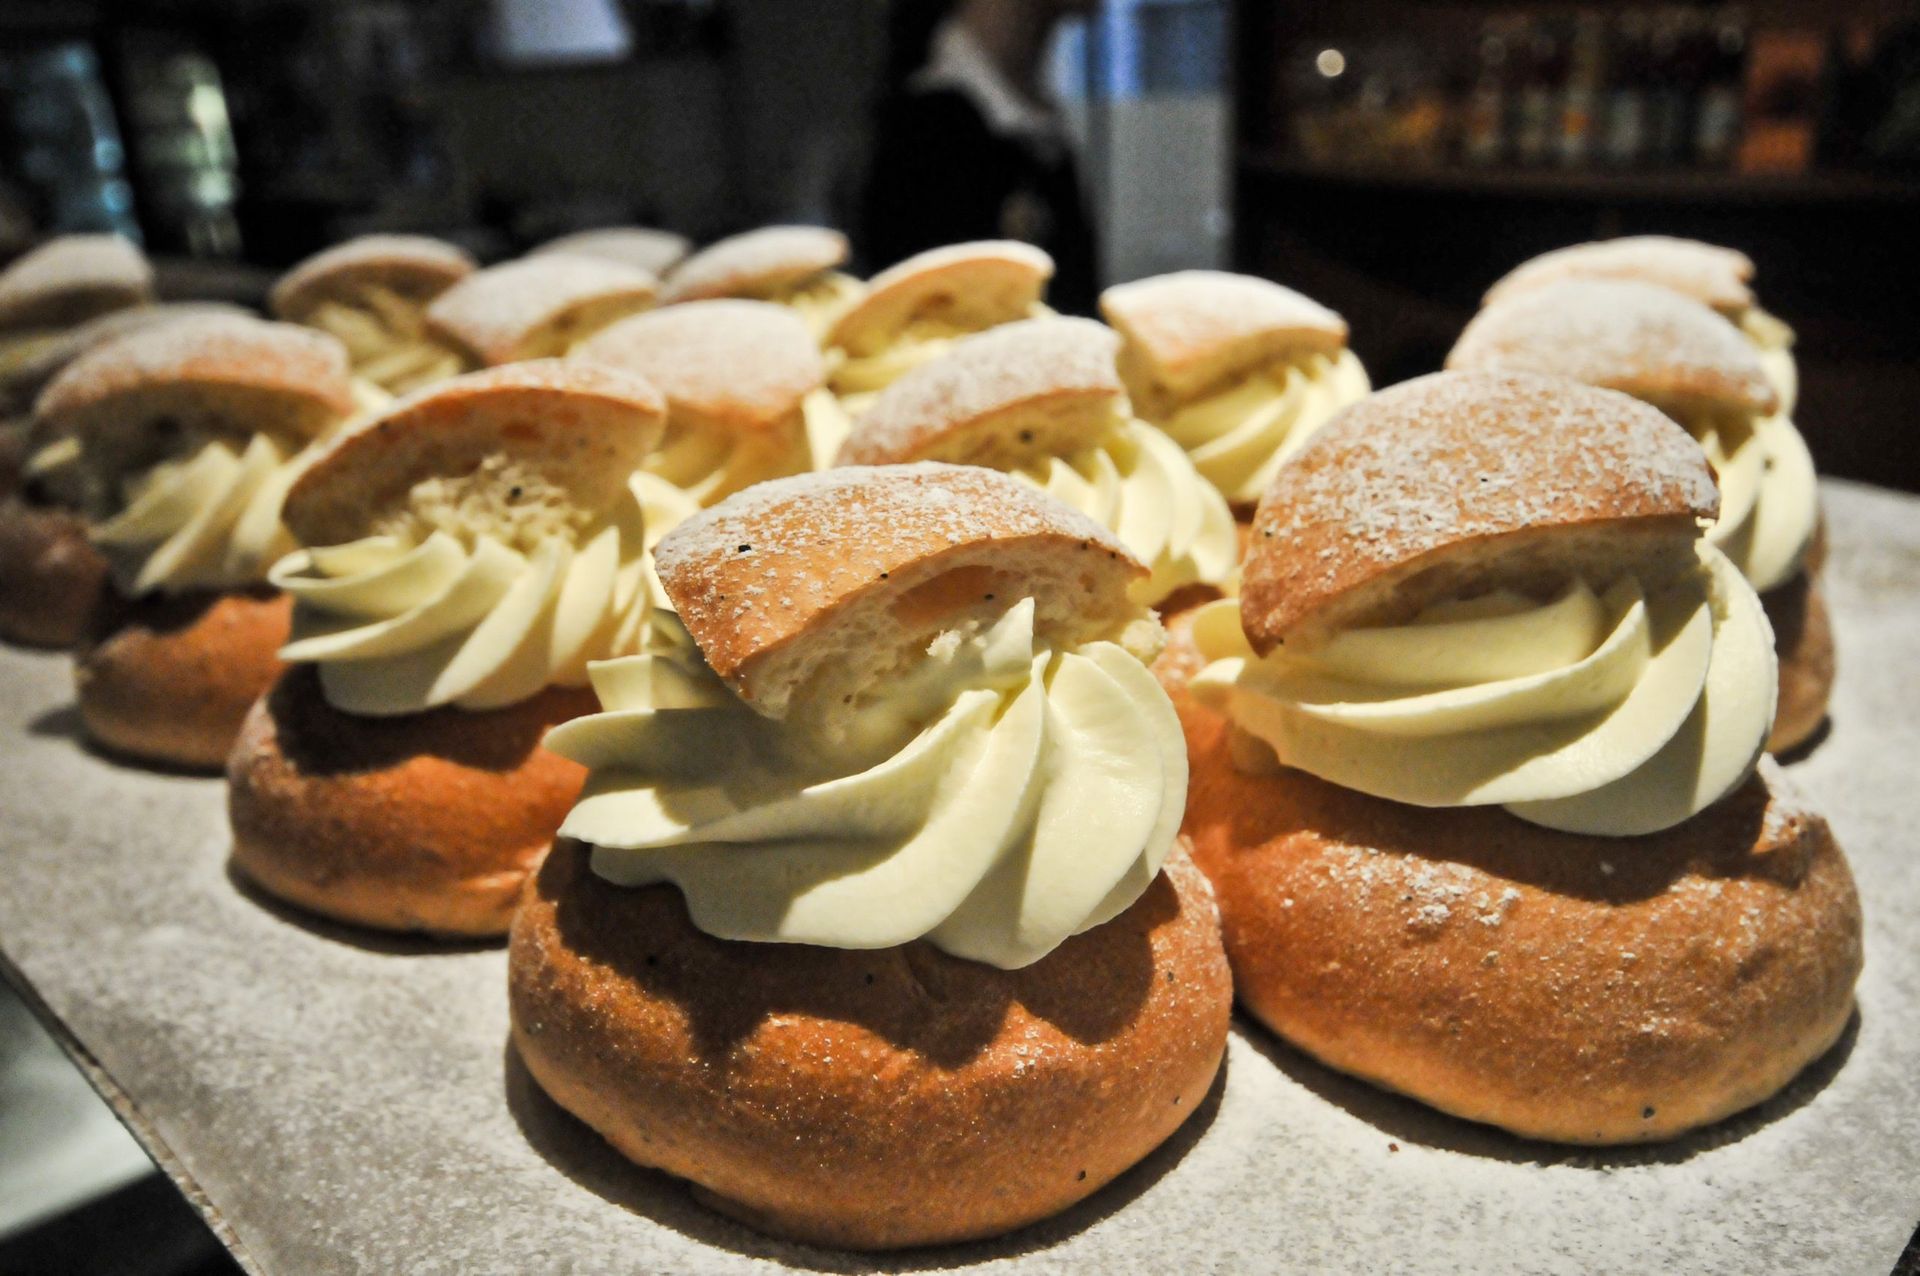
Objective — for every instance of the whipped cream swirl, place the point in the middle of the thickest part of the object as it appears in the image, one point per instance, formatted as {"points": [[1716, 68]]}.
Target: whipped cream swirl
{"points": [[1769, 496], [1239, 435], [209, 519], [1774, 340], [821, 299], [400, 625], [995, 801], [1138, 484], [864, 373], [387, 340], [1612, 711], [709, 465]]}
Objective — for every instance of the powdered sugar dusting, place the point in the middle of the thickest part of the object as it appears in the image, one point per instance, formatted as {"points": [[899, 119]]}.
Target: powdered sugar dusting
{"points": [[429, 263], [495, 311], [746, 358], [1706, 272], [757, 262], [986, 373], [1170, 316], [654, 251], [907, 273], [72, 264], [1637, 337]]}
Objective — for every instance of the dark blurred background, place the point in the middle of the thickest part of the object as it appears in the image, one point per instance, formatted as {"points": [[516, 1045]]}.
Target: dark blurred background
{"points": [[1388, 157]]}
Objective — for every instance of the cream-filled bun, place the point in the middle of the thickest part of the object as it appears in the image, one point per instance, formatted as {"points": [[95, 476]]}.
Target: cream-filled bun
{"points": [[1681, 357], [468, 553], [654, 251], [1238, 371], [905, 742], [796, 266], [745, 389], [1040, 399], [536, 307], [69, 280], [1718, 277], [1477, 773], [372, 293], [914, 310], [178, 442], [24, 378]]}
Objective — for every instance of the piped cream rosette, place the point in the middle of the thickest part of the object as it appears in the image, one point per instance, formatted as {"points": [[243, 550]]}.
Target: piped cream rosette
{"points": [[1238, 371], [998, 774], [1040, 399], [1715, 276], [792, 266], [182, 439], [372, 293], [745, 390], [914, 311], [482, 540], [1668, 350], [1550, 638]]}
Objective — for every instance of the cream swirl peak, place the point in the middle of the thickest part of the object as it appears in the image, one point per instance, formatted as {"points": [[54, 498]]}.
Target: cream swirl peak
{"points": [[1041, 400], [1551, 637], [480, 541], [1239, 371], [1678, 355], [181, 440], [997, 799], [913, 312]]}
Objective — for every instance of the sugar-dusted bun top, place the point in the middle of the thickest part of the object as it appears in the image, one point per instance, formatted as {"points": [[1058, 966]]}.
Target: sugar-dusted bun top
{"points": [[221, 372], [654, 251], [1708, 273], [72, 278], [739, 367], [1639, 338], [513, 452], [1033, 388], [976, 284], [1188, 330], [757, 263], [414, 266], [537, 306], [1459, 482], [811, 589], [26, 377]]}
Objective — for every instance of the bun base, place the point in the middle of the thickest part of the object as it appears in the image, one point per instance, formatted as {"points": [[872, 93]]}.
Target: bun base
{"points": [[52, 579], [429, 822], [171, 678], [1573, 989], [1803, 640], [868, 1099]]}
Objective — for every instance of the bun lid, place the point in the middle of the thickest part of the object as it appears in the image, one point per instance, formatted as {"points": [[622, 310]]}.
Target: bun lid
{"points": [[212, 371], [414, 266], [523, 436], [805, 592], [25, 378], [757, 263], [1708, 273], [1033, 388], [986, 282], [1462, 482], [654, 251], [537, 306], [72, 278], [1639, 338], [735, 367], [1191, 329]]}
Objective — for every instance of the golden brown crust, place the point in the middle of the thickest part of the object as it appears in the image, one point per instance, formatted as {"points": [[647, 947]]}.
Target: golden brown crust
{"points": [[414, 266], [589, 424], [1034, 387], [71, 279], [25, 378], [222, 371], [1638, 338], [174, 677], [654, 251], [1706, 272], [1451, 471], [51, 577], [989, 281], [1576, 989], [1193, 328], [757, 263], [430, 822], [537, 306], [937, 1099], [1803, 638], [733, 367], [763, 568]]}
